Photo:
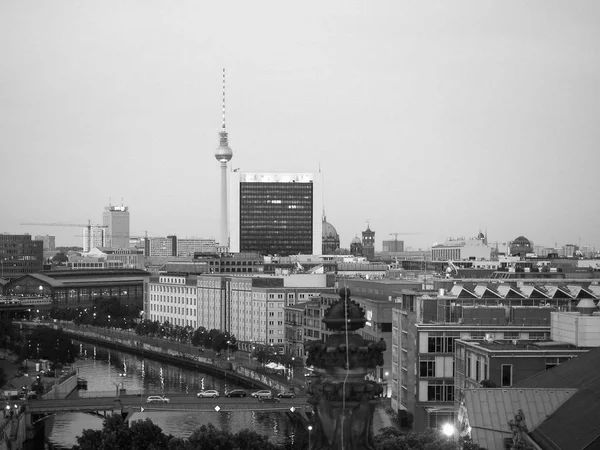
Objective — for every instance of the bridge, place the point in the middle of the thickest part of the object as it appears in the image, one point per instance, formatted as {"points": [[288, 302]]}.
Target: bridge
{"points": [[178, 402]]}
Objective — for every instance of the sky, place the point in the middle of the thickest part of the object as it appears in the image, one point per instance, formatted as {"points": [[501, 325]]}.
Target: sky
{"points": [[438, 118]]}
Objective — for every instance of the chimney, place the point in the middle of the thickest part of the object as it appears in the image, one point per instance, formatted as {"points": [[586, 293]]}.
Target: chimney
{"points": [[586, 307]]}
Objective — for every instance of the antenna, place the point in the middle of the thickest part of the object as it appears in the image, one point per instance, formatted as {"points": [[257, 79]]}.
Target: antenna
{"points": [[223, 99]]}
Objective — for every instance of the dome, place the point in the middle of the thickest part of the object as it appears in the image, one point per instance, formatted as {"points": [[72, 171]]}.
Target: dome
{"points": [[223, 153], [329, 230], [356, 240], [521, 240]]}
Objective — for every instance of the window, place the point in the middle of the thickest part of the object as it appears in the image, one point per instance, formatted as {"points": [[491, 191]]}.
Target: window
{"points": [[538, 336], [555, 361], [477, 370], [511, 335], [440, 344], [440, 391], [506, 375], [427, 367]]}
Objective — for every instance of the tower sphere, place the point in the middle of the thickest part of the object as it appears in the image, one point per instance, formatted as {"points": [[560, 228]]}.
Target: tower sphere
{"points": [[223, 154]]}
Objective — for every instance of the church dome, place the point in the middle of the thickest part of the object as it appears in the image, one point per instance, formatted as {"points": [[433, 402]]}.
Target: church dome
{"points": [[356, 240], [329, 231]]}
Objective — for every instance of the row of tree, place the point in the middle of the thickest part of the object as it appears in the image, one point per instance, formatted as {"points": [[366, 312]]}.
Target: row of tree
{"points": [[202, 338], [144, 435]]}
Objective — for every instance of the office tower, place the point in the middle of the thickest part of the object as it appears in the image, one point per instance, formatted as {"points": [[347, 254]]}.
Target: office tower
{"points": [[116, 221], [223, 154], [276, 213], [96, 240], [49, 241], [19, 255]]}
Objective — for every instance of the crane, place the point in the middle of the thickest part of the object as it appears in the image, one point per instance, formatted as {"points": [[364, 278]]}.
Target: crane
{"points": [[89, 227]]}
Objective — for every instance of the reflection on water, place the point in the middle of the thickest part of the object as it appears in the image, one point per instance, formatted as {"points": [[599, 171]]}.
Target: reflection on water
{"points": [[109, 370]]}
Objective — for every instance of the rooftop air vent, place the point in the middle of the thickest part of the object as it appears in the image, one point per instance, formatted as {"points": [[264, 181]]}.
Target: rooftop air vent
{"points": [[586, 307]]}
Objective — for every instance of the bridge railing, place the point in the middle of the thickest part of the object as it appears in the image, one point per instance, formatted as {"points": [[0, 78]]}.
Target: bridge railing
{"points": [[110, 394]]}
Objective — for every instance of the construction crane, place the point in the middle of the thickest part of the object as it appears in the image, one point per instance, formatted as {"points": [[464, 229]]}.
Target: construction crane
{"points": [[89, 227]]}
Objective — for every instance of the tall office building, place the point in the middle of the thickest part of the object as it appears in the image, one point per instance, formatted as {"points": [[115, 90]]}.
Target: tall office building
{"points": [[276, 213], [116, 221]]}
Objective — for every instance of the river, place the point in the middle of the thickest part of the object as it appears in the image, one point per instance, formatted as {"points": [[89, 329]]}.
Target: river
{"points": [[107, 371]]}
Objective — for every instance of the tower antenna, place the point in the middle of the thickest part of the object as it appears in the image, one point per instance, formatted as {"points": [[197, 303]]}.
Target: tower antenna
{"points": [[223, 99]]}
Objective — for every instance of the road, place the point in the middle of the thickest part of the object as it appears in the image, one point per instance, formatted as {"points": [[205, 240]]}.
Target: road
{"points": [[178, 402]]}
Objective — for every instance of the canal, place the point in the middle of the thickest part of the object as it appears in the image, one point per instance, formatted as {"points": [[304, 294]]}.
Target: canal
{"points": [[108, 371]]}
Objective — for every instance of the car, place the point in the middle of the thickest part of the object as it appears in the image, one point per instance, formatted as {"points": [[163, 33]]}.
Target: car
{"points": [[208, 393], [157, 399], [268, 398], [287, 394], [261, 393], [236, 393]]}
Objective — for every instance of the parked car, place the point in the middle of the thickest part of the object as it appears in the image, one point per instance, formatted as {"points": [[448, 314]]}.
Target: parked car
{"points": [[261, 393], [208, 393], [287, 394], [268, 398], [157, 399], [236, 393]]}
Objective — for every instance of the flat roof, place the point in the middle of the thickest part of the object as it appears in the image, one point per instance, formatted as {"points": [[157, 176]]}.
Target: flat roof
{"points": [[529, 345]]}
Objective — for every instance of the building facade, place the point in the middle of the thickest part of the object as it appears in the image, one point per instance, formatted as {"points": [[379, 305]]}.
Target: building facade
{"points": [[189, 246], [93, 237], [116, 221], [462, 249], [368, 243], [161, 246], [49, 242], [276, 213], [19, 254], [173, 298], [426, 326]]}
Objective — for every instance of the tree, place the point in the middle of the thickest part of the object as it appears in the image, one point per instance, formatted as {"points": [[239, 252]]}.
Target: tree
{"points": [[51, 344]]}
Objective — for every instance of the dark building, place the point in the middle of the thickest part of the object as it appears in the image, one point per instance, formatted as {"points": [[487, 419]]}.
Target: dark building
{"points": [[19, 254], [331, 239], [276, 214], [368, 242], [521, 246], [356, 247]]}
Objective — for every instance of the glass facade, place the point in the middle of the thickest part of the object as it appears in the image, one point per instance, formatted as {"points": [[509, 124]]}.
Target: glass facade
{"points": [[276, 218]]}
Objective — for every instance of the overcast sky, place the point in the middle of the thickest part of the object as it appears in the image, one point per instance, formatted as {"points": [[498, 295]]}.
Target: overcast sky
{"points": [[439, 118]]}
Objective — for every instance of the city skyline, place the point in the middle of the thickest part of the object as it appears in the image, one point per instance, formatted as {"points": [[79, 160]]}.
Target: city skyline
{"points": [[437, 119]]}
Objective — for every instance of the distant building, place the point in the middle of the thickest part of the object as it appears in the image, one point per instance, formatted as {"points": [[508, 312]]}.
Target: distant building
{"points": [[97, 239], [462, 249], [116, 221], [276, 213], [331, 239], [161, 246], [19, 254], [49, 242], [190, 246], [395, 246], [368, 242], [521, 246], [356, 247]]}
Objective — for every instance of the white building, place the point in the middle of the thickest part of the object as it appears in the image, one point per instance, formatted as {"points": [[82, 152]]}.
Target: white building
{"points": [[189, 246], [98, 238], [461, 249], [172, 298]]}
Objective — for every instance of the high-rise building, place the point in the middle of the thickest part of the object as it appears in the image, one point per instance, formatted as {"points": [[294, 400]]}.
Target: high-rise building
{"points": [[276, 213], [394, 246], [116, 221], [189, 246], [96, 240], [19, 254], [49, 241]]}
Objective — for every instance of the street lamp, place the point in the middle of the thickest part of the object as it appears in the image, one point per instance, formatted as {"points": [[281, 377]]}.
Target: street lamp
{"points": [[448, 430], [309, 430], [228, 342]]}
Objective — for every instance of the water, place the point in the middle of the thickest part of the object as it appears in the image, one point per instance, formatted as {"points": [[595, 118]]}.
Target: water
{"points": [[104, 369]]}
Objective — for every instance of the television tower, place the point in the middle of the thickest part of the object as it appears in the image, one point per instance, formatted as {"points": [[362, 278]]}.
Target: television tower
{"points": [[223, 155]]}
